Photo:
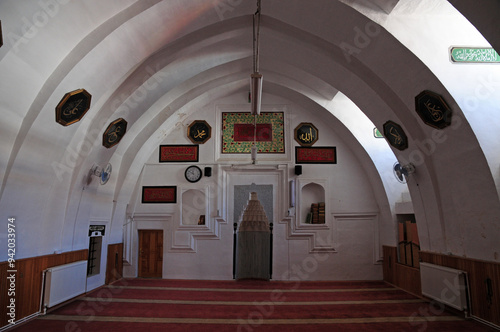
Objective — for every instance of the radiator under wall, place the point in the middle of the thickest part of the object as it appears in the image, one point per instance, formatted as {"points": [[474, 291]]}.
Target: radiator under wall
{"points": [[64, 282], [445, 285]]}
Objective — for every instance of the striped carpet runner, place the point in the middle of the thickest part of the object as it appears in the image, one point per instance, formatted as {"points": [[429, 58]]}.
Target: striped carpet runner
{"points": [[249, 305]]}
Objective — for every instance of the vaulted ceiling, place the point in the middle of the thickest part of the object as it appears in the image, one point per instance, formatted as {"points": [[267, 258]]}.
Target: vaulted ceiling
{"points": [[153, 63]]}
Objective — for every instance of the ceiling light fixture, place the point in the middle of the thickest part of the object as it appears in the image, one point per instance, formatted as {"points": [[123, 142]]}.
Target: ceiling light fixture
{"points": [[256, 77]]}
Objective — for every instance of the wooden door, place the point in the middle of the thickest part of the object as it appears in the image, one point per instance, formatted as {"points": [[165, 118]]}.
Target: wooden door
{"points": [[150, 253]]}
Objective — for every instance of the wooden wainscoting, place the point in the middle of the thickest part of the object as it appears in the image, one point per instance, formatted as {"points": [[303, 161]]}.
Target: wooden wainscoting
{"points": [[484, 298], [390, 255], [29, 281], [400, 275], [114, 265], [408, 278]]}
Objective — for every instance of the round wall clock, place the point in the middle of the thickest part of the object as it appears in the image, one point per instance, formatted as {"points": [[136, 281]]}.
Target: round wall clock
{"points": [[193, 174]]}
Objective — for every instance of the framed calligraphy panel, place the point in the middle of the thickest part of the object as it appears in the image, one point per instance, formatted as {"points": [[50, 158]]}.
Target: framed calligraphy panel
{"points": [[245, 132], [474, 55], [316, 155], [306, 134], [159, 194], [199, 132], [179, 153], [433, 110], [114, 133], [73, 107], [239, 129], [395, 135]]}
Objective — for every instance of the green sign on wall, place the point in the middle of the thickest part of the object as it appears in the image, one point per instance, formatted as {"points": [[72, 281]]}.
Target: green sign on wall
{"points": [[377, 133], [474, 55]]}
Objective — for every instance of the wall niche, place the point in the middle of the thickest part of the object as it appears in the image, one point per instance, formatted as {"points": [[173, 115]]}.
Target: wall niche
{"points": [[194, 207], [312, 204]]}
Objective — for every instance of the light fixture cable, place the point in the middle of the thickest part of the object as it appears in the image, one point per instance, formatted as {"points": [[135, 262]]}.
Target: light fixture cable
{"points": [[256, 35], [256, 80], [256, 77]]}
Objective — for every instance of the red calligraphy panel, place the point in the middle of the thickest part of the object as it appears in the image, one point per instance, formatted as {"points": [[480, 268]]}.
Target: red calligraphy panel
{"points": [[244, 132], [159, 194], [179, 153], [316, 155]]}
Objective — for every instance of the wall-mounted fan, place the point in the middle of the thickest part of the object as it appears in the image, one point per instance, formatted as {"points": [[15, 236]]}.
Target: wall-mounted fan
{"points": [[401, 172], [103, 173]]}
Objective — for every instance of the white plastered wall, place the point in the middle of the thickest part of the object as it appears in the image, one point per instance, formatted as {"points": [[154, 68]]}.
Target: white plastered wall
{"points": [[347, 247]]}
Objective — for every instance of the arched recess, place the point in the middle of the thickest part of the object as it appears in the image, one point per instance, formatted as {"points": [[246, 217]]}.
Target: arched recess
{"points": [[310, 193], [194, 205]]}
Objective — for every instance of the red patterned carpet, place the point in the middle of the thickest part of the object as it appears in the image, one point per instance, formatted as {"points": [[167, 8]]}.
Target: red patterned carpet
{"points": [[180, 305]]}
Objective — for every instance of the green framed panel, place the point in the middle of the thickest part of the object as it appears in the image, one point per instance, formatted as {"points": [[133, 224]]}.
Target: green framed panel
{"points": [[474, 55], [240, 128]]}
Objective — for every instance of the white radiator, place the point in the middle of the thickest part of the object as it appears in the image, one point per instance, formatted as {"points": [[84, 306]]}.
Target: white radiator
{"points": [[64, 282], [444, 284]]}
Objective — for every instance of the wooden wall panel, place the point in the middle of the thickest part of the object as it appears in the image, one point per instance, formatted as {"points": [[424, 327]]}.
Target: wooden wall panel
{"points": [[114, 266], [390, 255], [400, 275], [29, 281], [478, 272], [408, 278]]}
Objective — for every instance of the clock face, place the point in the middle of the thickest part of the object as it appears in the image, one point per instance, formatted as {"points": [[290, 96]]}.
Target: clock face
{"points": [[193, 174]]}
